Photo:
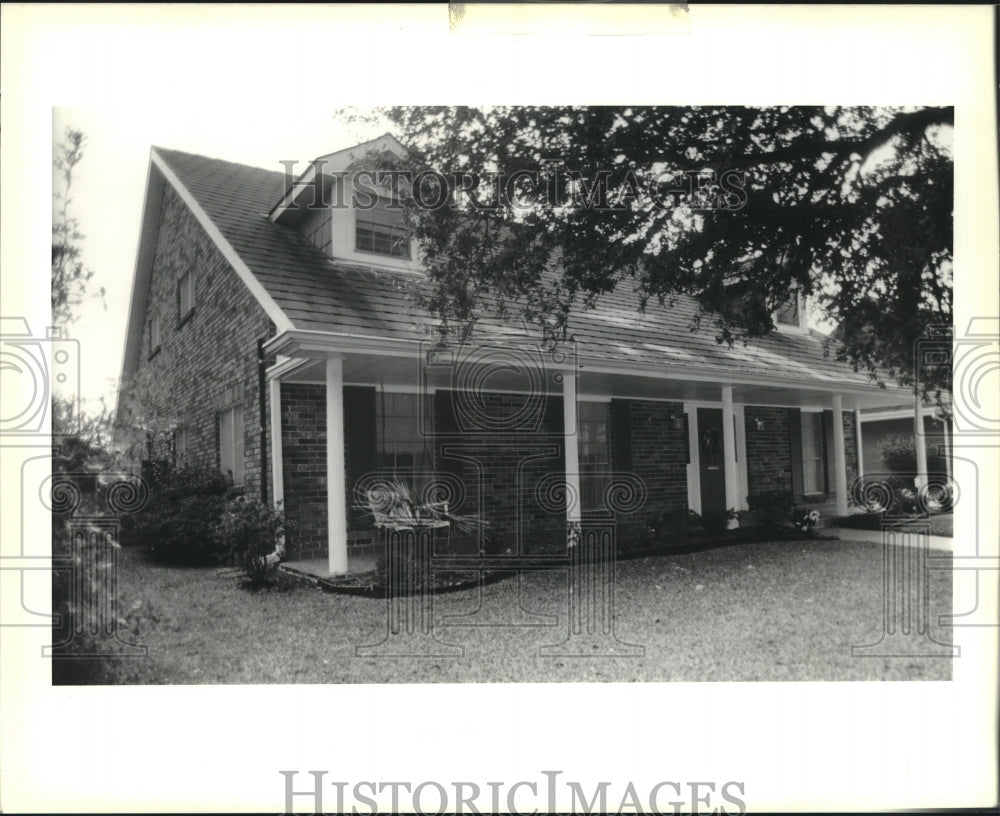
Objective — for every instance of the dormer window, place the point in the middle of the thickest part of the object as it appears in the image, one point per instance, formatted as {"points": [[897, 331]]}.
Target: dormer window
{"points": [[788, 314], [381, 232]]}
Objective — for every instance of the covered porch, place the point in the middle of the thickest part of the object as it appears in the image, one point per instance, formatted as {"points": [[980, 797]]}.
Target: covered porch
{"points": [[708, 441]]}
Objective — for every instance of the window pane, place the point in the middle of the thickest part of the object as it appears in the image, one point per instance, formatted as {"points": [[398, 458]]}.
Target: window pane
{"points": [[238, 444], [812, 452], [788, 314], [226, 442]]}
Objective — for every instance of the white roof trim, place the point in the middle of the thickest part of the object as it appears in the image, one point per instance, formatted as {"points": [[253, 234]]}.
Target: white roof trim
{"points": [[149, 230], [318, 344], [265, 300]]}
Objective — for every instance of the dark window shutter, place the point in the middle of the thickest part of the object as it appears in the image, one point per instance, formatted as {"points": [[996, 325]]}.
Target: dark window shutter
{"points": [[829, 462], [362, 444], [795, 435], [444, 412], [554, 423], [621, 436]]}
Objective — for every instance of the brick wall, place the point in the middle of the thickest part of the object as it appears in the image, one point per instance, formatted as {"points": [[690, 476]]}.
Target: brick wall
{"points": [[769, 452], [659, 457], [208, 361], [502, 475], [303, 439]]}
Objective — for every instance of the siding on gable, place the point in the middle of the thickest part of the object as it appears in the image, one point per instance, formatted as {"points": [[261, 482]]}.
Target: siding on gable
{"points": [[317, 226], [208, 362]]}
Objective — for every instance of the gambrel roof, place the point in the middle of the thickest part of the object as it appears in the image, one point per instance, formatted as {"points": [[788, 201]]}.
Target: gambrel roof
{"points": [[302, 289]]}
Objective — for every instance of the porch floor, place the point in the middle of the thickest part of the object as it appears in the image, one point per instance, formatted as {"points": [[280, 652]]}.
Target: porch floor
{"points": [[362, 561]]}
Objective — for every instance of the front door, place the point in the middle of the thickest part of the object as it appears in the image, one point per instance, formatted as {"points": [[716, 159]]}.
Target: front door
{"points": [[710, 462]]}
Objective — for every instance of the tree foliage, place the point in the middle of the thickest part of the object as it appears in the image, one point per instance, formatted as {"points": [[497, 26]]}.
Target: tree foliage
{"points": [[70, 277], [734, 205]]}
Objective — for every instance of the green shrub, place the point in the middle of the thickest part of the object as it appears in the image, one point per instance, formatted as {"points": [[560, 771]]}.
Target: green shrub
{"points": [[716, 521], [248, 532], [179, 525], [900, 455], [772, 508], [92, 633]]}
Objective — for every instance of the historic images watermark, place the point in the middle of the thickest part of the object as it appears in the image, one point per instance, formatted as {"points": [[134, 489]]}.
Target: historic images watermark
{"points": [[551, 185], [526, 796]]}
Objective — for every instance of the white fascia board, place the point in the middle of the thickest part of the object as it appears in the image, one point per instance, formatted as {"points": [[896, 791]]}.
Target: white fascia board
{"points": [[267, 303], [308, 342], [149, 230]]}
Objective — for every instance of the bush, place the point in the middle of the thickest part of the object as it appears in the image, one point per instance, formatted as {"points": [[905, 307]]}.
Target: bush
{"points": [[179, 525], [772, 508], [899, 452], [91, 646], [248, 533], [676, 523], [716, 521]]}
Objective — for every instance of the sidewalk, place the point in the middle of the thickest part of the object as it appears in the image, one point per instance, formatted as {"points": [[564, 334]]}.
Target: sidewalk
{"points": [[900, 537]]}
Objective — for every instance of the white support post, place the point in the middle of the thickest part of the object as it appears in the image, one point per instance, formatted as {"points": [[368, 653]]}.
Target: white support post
{"points": [[571, 447], [919, 440], [277, 456], [859, 443], [336, 498], [733, 501], [839, 455]]}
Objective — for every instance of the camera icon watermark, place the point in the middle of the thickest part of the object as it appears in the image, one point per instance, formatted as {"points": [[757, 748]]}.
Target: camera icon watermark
{"points": [[974, 360], [30, 368]]}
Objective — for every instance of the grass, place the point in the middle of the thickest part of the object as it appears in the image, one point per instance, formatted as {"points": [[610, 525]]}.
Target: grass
{"points": [[940, 525], [753, 612]]}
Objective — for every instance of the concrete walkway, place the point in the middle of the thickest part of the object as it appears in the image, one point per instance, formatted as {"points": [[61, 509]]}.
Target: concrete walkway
{"points": [[900, 537]]}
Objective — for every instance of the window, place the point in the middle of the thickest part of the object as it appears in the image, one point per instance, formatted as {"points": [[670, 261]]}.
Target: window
{"points": [[400, 443], [185, 295], [180, 444], [813, 470], [592, 419], [381, 232], [231, 443], [154, 334], [788, 314]]}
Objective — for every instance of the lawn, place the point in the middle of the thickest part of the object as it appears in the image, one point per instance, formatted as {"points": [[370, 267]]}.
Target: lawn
{"points": [[752, 612]]}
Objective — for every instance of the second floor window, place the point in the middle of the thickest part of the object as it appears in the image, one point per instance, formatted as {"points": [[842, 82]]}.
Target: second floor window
{"points": [[381, 232], [154, 333], [788, 314], [185, 294]]}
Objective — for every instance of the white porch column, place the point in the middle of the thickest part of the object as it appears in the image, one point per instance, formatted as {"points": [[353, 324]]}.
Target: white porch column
{"points": [[920, 443], [571, 447], [733, 499], [839, 455], [277, 456], [336, 499], [858, 443]]}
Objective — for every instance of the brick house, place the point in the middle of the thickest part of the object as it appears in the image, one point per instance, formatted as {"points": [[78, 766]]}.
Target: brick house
{"points": [[281, 341]]}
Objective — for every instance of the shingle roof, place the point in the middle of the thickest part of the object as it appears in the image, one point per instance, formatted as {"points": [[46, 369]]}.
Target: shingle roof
{"points": [[317, 294]]}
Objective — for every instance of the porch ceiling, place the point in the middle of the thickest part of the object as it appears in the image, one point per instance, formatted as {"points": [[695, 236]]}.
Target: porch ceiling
{"points": [[520, 374]]}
